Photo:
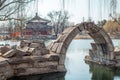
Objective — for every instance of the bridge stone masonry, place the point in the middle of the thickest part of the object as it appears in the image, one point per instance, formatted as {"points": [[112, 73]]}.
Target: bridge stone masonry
{"points": [[33, 57], [102, 50]]}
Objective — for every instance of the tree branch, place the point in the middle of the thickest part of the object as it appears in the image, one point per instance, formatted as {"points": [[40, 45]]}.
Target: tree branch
{"points": [[13, 2], [2, 2]]}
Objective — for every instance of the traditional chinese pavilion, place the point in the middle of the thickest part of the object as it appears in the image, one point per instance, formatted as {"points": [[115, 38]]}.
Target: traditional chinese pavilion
{"points": [[37, 27]]}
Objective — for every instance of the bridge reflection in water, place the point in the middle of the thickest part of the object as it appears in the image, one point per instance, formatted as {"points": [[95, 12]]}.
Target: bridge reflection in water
{"points": [[102, 73]]}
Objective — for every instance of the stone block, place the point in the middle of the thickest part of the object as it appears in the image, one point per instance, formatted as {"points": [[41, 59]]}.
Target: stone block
{"points": [[55, 46], [117, 57], [2, 76], [63, 50], [20, 54], [117, 53], [59, 48], [62, 38], [4, 49], [16, 61], [81, 27], [34, 45], [24, 49], [36, 53], [22, 65], [40, 58], [67, 30], [112, 55], [118, 63], [94, 46], [9, 54], [91, 54], [53, 67], [50, 45], [110, 47], [45, 51], [24, 43], [61, 68], [3, 62], [31, 71], [19, 70], [53, 57], [59, 37], [45, 64], [62, 59], [70, 36], [31, 50], [40, 42], [5, 68]]}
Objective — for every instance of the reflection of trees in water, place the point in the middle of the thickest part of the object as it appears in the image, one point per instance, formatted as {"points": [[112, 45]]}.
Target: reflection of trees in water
{"points": [[102, 72], [52, 76]]}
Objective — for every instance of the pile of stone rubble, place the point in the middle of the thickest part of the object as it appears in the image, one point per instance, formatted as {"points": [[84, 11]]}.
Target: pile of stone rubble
{"points": [[31, 57]]}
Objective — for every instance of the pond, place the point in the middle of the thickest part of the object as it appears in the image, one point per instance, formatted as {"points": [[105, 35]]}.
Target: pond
{"points": [[77, 69]]}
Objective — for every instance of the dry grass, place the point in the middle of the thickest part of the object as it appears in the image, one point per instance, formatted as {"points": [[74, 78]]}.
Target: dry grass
{"points": [[112, 27]]}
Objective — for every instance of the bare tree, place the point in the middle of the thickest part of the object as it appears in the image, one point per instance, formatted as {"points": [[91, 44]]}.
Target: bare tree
{"points": [[59, 20], [8, 8], [113, 7], [13, 11]]}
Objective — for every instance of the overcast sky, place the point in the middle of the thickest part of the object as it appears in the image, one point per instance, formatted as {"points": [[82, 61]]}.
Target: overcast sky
{"points": [[77, 8]]}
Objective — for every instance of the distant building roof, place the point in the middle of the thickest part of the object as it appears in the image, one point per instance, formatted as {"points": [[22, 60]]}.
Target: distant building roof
{"points": [[37, 26], [38, 19]]}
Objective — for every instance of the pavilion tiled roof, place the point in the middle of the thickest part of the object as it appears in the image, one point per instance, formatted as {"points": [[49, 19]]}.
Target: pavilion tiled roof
{"points": [[38, 19]]}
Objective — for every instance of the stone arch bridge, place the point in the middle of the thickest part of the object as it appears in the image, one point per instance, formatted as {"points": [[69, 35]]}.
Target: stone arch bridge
{"points": [[102, 49]]}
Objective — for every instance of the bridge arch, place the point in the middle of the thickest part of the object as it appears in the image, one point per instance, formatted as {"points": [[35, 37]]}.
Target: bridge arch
{"points": [[102, 40]]}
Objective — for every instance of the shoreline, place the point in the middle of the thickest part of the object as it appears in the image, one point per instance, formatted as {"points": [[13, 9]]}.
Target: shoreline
{"points": [[88, 37]]}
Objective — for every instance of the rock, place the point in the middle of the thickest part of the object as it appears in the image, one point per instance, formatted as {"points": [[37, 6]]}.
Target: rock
{"points": [[3, 61], [91, 53], [44, 51], [40, 42], [37, 45], [2, 76], [62, 59], [24, 59], [55, 46], [5, 68], [50, 45], [39, 58], [9, 54], [31, 50], [24, 49], [36, 53], [61, 68], [53, 57], [7, 45], [40, 52], [34, 45], [19, 53], [4, 49], [24, 43], [19, 70]]}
